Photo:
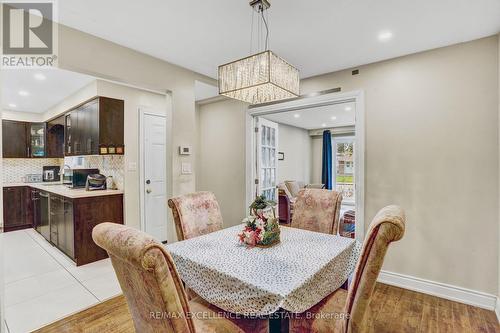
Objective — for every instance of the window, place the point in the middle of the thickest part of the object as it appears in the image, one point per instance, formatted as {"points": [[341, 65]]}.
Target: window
{"points": [[344, 168]]}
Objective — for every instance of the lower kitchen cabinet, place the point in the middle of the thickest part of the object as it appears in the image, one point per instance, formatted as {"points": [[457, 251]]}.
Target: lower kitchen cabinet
{"points": [[71, 222], [87, 213], [17, 208], [62, 224], [65, 222]]}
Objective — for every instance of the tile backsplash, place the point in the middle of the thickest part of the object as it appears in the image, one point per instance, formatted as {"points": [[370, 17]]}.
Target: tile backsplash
{"points": [[14, 169], [108, 165]]}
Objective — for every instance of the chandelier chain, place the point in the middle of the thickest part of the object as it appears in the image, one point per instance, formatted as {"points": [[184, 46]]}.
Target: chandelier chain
{"points": [[251, 33], [261, 9]]}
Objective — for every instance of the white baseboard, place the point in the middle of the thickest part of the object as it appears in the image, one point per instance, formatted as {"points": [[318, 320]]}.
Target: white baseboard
{"points": [[453, 293], [497, 309]]}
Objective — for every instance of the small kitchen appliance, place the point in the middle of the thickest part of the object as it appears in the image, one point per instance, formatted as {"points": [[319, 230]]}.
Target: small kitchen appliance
{"points": [[51, 173], [77, 178], [95, 182], [32, 178]]}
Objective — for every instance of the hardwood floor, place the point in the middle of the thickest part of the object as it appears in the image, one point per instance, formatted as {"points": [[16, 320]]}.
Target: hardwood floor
{"points": [[394, 310]]}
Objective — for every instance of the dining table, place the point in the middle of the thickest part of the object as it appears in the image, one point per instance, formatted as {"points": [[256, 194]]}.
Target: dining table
{"points": [[292, 276]]}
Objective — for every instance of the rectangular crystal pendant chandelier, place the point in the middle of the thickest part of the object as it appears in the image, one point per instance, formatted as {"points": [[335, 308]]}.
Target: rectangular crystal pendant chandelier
{"points": [[260, 78]]}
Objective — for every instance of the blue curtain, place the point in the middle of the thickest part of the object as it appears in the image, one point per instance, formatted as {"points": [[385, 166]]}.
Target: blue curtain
{"points": [[326, 172]]}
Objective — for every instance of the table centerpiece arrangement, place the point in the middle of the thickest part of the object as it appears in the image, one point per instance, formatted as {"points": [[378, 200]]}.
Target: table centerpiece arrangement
{"points": [[261, 227]]}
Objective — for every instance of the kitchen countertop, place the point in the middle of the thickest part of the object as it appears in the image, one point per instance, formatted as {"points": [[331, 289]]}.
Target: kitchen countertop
{"points": [[59, 189]]}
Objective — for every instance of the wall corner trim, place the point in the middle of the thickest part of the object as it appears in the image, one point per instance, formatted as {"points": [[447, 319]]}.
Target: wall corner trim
{"points": [[447, 291], [497, 309]]}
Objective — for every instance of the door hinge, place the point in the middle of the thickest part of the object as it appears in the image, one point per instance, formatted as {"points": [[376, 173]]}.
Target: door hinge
{"points": [[256, 130], [256, 181]]}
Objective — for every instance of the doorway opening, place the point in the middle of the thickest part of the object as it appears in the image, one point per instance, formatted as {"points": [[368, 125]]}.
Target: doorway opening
{"points": [[287, 151]]}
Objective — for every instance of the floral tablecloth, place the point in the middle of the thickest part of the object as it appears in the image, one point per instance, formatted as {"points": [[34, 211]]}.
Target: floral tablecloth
{"points": [[294, 275]]}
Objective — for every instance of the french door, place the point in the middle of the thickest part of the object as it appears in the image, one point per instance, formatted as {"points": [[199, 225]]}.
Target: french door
{"points": [[267, 158]]}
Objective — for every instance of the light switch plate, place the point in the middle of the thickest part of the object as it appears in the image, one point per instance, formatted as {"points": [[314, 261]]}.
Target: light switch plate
{"points": [[186, 168]]}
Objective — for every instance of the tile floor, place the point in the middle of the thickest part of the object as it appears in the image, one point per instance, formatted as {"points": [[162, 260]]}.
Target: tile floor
{"points": [[42, 285]]}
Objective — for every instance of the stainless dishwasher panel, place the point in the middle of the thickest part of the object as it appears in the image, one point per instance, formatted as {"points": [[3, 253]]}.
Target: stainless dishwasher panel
{"points": [[56, 208], [44, 221]]}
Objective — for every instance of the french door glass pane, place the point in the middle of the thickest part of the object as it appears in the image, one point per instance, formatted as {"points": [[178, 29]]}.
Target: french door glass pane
{"points": [[268, 155]]}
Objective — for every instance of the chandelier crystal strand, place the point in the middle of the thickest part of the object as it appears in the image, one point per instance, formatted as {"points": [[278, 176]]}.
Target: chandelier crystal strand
{"points": [[260, 78]]}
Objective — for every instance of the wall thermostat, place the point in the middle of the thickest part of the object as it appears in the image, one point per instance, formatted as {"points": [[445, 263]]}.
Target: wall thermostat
{"points": [[184, 150]]}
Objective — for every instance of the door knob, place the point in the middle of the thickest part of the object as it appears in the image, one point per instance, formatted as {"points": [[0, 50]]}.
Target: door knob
{"points": [[148, 190]]}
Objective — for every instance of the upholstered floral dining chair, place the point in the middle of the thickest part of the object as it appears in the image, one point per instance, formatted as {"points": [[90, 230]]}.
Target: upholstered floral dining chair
{"points": [[317, 210], [154, 292], [349, 311], [195, 214]]}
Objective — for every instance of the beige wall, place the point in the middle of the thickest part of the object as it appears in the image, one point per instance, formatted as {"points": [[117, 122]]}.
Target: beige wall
{"points": [[316, 159], [296, 144], [221, 156], [429, 117]]}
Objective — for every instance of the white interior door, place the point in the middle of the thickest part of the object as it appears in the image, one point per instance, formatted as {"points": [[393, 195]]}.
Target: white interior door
{"points": [[267, 158], [154, 177]]}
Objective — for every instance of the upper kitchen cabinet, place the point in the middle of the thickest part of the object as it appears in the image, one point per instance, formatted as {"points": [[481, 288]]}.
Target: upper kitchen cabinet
{"points": [[95, 127], [36, 143], [14, 138], [55, 138], [22, 139]]}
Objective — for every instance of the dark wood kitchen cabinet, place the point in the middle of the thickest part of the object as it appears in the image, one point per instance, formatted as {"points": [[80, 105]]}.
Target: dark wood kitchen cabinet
{"points": [[22, 139], [95, 124], [72, 221], [67, 223], [55, 138], [62, 224], [17, 208], [36, 140], [15, 139], [87, 213]]}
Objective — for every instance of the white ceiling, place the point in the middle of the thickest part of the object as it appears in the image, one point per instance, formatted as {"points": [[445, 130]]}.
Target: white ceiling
{"points": [[316, 36], [317, 117], [42, 94]]}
